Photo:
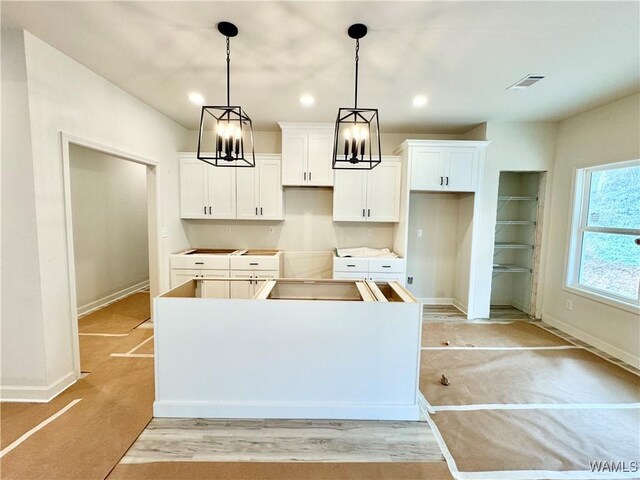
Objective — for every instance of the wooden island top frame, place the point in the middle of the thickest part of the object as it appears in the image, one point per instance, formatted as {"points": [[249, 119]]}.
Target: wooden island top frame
{"points": [[301, 348]]}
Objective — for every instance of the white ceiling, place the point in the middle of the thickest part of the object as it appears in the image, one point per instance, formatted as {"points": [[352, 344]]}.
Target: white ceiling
{"points": [[462, 55]]}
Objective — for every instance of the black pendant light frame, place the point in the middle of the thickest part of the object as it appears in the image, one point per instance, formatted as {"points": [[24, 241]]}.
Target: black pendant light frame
{"points": [[231, 125], [360, 126]]}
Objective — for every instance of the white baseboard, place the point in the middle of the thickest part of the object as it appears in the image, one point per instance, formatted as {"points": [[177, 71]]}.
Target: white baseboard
{"points": [[436, 301], [37, 394], [344, 411], [606, 347], [460, 306], [114, 297]]}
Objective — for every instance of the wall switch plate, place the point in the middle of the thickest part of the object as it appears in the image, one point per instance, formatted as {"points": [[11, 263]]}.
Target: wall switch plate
{"points": [[369, 232], [410, 280], [164, 233], [272, 230], [568, 304], [419, 232]]}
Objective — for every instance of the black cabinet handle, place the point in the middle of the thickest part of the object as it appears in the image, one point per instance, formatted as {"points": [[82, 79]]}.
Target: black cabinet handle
{"points": [[363, 212], [441, 180], [309, 176], [305, 176], [209, 210], [199, 263], [205, 210], [260, 210], [350, 265], [386, 266], [447, 180], [256, 210], [253, 263], [368, 212]]}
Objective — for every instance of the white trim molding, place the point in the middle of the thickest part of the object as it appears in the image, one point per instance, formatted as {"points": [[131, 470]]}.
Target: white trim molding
{"points": [[114, 297], [37, 394], [436, 301]]}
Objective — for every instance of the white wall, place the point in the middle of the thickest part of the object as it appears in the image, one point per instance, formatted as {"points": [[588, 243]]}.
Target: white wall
{"points": [[64, 96], [23, 358], [515, 146], [110, 241], [604, 135]]}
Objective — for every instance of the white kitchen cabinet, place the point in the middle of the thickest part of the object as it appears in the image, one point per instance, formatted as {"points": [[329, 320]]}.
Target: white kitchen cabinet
{"points": [[375, 269], [259, 190], [444, 168], [209, 289], [248, 289], [368, 195], [206, 191], [306, 154]]}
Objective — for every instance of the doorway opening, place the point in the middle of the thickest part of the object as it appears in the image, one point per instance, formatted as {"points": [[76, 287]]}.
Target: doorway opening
{"points": [[112, 229], [516, 256]]}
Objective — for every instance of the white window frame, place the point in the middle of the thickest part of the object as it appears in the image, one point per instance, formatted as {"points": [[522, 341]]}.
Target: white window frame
{"points": [[579, 227]]}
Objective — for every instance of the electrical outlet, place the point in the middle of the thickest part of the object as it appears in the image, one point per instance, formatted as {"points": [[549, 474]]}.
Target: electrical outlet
{"points": [[369, 232], [419, 232], [568, 304], [410, 280], [227, 230], [164, 233], [272, 230]]}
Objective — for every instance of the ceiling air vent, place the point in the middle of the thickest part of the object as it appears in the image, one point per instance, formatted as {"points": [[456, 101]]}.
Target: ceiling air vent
{"points": [[526, 82]]}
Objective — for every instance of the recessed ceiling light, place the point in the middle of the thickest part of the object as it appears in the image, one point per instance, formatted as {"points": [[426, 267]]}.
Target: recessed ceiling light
{"points": [[307, 100], [196, 98], [420, 101]]}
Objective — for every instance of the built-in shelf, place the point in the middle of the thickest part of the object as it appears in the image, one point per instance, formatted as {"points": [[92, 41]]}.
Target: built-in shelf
{"points": [[508, 198], [510, 245], [515, 222], [509, 268]]}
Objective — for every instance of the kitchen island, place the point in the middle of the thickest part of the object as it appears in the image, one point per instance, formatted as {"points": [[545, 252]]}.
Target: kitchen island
{"points": [[335, 349]]}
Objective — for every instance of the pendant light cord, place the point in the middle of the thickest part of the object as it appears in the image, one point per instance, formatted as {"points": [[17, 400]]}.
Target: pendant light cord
{"points": [[228, 68], [357, 60]]}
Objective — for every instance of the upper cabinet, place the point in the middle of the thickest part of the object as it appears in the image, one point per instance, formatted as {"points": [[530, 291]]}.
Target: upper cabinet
{"points": [[368, 195], [206, 191], [259, 190], [445, 166], [245, 193], [306, 154]]}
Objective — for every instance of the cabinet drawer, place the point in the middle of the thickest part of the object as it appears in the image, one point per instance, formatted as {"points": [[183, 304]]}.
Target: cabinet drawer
{"points": [[351, 275], [203, 262], [347, 264], [249, 262], [386, 265]]}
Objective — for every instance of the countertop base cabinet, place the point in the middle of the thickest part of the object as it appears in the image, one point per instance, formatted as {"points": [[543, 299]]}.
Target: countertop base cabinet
{"points": [[255, 279], [210, 289], [375, 269]]}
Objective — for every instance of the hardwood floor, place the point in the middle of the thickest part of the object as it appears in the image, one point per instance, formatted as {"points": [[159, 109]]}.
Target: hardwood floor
{"points": [[449, 313]]}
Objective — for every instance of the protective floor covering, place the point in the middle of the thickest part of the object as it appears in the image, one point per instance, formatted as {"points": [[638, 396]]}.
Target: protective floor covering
{"points": [[94, 350], [516, 334], [524, 377], [89, 439], [119, 317], [563, 440], [281, 471]]}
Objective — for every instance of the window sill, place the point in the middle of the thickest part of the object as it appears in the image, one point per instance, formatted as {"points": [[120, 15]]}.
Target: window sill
{"points": [[628, 307]]}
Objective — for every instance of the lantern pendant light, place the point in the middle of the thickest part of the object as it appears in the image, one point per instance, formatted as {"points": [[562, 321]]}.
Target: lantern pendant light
{"points": [[356, 143], [226, 132]]}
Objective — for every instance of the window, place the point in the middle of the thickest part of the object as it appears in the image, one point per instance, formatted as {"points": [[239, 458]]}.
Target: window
{"points": [[604, 256]]}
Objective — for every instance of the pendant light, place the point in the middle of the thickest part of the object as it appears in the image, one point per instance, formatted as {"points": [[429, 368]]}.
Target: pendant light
{"points": [[226, 132], [356, 143]]}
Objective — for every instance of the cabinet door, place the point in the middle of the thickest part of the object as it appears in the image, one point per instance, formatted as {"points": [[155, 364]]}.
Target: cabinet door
{"points": [[320, 152], [247, 188], [217, 289], [245, 289], [427, 168], [350, 196], [193, 189], [222, 191], [269, 190], [461, 169], [351, 275], [383, 192], [178, 277], [294, 158]]}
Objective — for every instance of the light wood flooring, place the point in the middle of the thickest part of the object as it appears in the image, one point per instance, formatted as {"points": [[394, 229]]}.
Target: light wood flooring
{"points": [[199, 440], [449, 313]]}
